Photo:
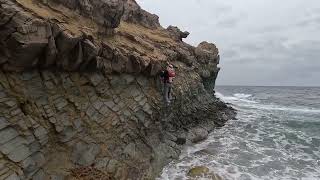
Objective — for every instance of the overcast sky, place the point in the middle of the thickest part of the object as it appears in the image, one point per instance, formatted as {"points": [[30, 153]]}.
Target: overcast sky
{"points": [[261, 42]]}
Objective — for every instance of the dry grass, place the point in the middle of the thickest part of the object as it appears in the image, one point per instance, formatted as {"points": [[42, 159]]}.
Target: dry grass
{"points": [[143, 42], [157, 35], [73, 22]]}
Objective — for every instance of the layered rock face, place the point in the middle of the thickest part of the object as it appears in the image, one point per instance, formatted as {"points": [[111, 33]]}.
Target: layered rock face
{"points": [[79, 89]]}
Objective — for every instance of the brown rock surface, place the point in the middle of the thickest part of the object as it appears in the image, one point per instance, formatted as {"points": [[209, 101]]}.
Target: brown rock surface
{"points": [[79, 89]]}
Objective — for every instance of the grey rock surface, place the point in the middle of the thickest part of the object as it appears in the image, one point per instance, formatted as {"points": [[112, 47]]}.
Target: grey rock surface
{"points": [[85, 154], [79, 90]]}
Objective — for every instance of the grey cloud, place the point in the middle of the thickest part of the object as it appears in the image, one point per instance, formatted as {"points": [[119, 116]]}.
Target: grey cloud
{"points": [[228, 23], [230, 53], [260, 44], [310, 21]]}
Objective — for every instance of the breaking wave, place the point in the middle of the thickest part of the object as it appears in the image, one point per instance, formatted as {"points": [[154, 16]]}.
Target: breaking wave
{"points": [[247, 100], [275, 137]]}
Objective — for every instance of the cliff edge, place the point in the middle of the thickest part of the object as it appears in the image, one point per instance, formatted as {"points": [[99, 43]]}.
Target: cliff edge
{"points": [[80, 95]]}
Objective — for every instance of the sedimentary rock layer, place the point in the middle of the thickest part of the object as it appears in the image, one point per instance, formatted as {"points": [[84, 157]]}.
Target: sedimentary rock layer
{"points": [[79, 90]]}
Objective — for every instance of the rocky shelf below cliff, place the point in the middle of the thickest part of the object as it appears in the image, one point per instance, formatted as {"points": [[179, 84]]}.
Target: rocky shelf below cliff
{"points": [[80, 93]]}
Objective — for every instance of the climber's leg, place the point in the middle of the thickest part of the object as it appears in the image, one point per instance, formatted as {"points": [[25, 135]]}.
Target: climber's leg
{"points": [[170, 92], [166, 93]]}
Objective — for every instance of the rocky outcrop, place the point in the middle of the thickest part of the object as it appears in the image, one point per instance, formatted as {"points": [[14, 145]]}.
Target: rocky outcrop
{"points": [[177, 34], [134, 14], [74, 98], [105, 13]]}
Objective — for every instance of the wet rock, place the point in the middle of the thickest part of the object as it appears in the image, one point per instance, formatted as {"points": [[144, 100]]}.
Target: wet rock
{"points": [[181, 141], [197, 134], [198, 171], [203, 172]]}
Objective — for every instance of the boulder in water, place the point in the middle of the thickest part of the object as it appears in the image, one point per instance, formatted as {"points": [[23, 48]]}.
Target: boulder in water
{"points": [[203, 171], [197, 134], [198, 171]]}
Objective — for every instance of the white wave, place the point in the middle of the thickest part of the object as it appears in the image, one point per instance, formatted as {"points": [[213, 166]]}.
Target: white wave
{"points": [[238, 97], [242, 96], [291, 109], [246, 100], [267, 144]]}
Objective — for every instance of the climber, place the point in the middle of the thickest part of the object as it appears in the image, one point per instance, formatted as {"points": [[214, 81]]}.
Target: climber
{"points": [[167, 77]]}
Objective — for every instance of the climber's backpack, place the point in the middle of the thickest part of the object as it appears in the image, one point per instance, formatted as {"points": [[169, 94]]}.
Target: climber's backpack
{"points": [[171, 74]]}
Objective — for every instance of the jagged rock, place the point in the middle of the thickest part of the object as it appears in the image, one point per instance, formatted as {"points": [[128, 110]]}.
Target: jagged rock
{"points": [[119, 63], [107, 13], [102, 163], [90, 52], [134, 14], [66, 42], [13, 176], [96, 79], [112, 166], [197, 134], [40, 132], [181, 141], [3, 123], [19, 154], [104, 64], [85, 154], [207, 52], [39, 175], [27, 44], [67, 134], [177, 34], [51, 53], [97, 97], [133, 65], [12, 145], [184, 55], [7, 135], [155, 69]]}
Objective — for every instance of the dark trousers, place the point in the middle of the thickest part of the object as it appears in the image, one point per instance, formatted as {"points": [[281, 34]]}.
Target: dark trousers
{"points": [[167, 92]]}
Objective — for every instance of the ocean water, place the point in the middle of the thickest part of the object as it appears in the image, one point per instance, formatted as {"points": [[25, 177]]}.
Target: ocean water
{"points": [[276, 136]]}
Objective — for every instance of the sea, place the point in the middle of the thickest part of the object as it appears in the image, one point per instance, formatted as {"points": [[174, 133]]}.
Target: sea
{"points": [[276, 136]]}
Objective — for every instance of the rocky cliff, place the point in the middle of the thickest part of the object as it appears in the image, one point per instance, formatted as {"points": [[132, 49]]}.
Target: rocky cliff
{"points": [[80, 95]]}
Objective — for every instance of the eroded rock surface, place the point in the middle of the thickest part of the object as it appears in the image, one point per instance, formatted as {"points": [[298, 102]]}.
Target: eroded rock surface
{"points": [[74, 96]]}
